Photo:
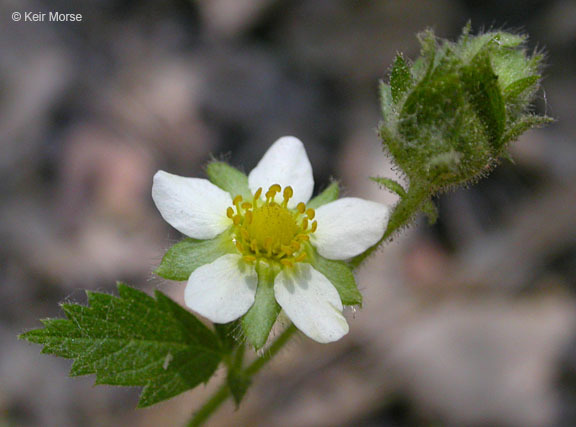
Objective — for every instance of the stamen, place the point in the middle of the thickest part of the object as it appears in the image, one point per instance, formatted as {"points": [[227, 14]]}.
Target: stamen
{"points": [[300, 257], [230, 212], [310, 213], [237, 219], [304, 223], [246, 205], [237, 200], [257, 195], [314, 227], [248, 217], [249, 258], [301, 207]]}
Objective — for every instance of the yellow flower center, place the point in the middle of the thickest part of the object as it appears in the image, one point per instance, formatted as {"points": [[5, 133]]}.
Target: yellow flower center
{"points": [[270, 230]]}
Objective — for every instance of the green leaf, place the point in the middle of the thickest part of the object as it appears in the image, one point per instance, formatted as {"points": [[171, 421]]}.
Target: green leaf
{"points": [[258, 321], [481, 84], [229, 179], [340, 275], [133, 340], [189, 254], [400, 78], [393, 186], [238, 383], [330, 194]]}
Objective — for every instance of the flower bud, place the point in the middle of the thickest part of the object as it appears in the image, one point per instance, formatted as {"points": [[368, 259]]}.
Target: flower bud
{"points": [[451, 114]]}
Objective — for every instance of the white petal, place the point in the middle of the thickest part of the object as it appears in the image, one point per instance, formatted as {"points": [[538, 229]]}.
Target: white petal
{"points": [[349, 226], [193, 206], [311, 302], [223, 290], [285, 163]]}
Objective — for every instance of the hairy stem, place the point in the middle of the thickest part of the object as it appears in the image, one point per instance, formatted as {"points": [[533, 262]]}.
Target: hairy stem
{"points": [[223, 392], [403, 213]]}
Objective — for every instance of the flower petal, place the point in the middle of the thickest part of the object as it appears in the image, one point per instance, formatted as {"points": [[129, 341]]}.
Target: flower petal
{"points": [[285, 163], [311, 302], [349, 226], [193, 206], [223, 290]]}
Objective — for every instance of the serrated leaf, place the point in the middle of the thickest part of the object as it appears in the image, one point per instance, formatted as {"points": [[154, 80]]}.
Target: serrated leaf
{"points": [[393, 186], [400, 78], [258, 321], [329, 194], [229, 179], [133, 340], [187, 255], [386, 102], [340, 275]]}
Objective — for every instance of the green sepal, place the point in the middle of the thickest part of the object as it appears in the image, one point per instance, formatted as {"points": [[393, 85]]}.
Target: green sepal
{"points": [[400, 78], [518, 88], [189, 254], [431, 211], [339, 274], [229, 179], [329, 194], [481, 83], [133, 340], [523, 124], [391, 185], [238, 383], [258, 321]]}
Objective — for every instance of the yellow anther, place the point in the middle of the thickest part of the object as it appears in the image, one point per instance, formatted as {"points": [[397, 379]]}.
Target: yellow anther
{"points": [[287, 262], [303, 237], [230, 212], [304, 224], [314, 226], [249, 258], [239, 246], [246, 205], [249, 217], [237, 219], [275, 188], [310, 213], [257, 194], [288, 193], [244, 233], [254, 246], [300, 257], [237, 199], [301, 207]]}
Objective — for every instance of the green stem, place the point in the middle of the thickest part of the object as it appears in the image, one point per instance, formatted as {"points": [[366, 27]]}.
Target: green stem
{"points": [[223, 392], [403, 212]]}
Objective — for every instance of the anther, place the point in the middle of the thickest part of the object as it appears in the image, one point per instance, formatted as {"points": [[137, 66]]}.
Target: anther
{"points": [[257, 194], [301, 207], [230, 212], [249, 215], [249, 258], [304, 223], [246, 205], [314, 226], [300, 257], [310, 213], [237, 219]]}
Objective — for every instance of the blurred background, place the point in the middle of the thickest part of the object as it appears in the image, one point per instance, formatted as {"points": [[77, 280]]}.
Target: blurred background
{"points": [[470, 322]]}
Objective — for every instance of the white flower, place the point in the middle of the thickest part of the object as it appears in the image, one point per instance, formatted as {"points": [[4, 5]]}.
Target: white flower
{"points": [[275, 228]]}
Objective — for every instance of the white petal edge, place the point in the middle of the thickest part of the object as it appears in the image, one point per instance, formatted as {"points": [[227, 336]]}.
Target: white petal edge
{"points": [[193, 206], [223, 290], [349, 226], [285, 163], [311, 302]]}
